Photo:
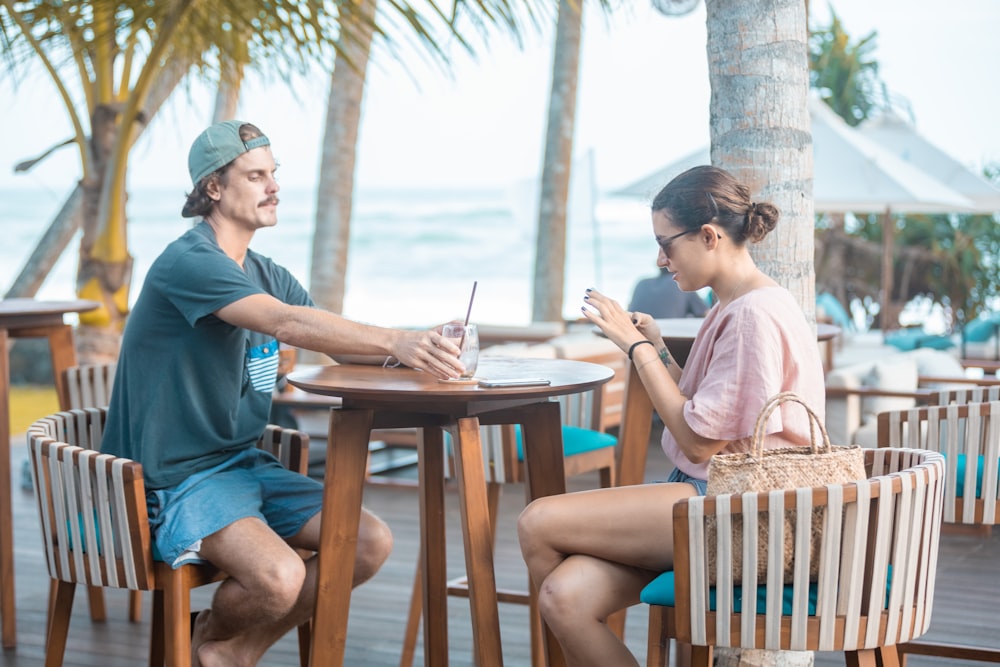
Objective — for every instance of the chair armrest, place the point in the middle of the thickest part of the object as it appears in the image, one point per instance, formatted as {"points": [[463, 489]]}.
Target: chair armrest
{"points": [[988, 365], [844, 392], [935, 379]]}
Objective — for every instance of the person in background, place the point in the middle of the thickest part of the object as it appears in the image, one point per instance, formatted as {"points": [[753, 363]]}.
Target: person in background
{"points": [[661, 298], [590, 553], [192, 394]]}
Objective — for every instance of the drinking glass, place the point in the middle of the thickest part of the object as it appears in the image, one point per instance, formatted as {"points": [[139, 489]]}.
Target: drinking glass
{"points": [[467, 338]]}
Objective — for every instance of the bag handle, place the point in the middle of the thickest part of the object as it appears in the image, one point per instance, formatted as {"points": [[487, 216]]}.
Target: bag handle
{"points": [[814, 423]]}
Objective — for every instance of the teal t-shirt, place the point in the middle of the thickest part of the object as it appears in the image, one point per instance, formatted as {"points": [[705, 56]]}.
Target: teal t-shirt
{"points": [[191, 390]]}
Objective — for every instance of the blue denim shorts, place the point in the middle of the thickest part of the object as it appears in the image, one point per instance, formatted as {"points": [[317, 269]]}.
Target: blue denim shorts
{"points": [[700, 484], [253, 483]]}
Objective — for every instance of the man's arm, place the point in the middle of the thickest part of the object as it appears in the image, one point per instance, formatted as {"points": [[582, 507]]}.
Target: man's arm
{"points": [[323, 331]]}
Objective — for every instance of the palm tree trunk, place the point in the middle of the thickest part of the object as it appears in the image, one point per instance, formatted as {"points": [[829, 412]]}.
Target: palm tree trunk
{"points": [[227, 95], [50, 247], [760, 129], [760, 125], [550, 253], [70, 216], [335, 188], [99, 333]]}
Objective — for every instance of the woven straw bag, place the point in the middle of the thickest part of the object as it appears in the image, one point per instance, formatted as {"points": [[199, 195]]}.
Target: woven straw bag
{"points": [[761, 470]]}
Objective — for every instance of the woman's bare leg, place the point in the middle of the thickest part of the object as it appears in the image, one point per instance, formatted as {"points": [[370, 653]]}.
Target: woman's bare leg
{"points": [[590, 554]]}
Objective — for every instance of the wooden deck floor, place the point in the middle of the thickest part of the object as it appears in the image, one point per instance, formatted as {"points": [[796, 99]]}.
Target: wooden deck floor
{"points": [[964, 613]]}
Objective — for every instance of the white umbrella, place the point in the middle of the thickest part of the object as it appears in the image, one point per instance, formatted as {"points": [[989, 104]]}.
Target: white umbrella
{"points": [[854, 174], [851, 173], [900, 137]]}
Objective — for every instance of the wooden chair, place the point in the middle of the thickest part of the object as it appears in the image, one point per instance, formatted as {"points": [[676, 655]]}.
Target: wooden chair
{"points": [[968, 436], [587, 447], [95, 530], [89, 386], [878, 559]]}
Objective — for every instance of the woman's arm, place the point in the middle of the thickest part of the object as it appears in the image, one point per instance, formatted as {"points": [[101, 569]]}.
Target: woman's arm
{"points": [[660, 380]]}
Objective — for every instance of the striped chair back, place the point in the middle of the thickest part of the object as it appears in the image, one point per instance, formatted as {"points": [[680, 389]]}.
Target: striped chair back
{"points": [[87, 386], [968, 436], [92, 506], [974, 394], [878, 560], [95, 529]]}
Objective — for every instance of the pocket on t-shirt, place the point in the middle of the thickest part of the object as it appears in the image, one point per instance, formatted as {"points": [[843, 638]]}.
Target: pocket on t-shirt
{"points": [[262, 366]]}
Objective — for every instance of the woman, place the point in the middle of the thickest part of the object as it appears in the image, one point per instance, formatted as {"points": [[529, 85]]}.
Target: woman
{"points": [[591, 553]]}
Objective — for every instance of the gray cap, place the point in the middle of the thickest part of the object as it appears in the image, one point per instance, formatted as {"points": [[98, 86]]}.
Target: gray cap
{"points": [[219, 145]]}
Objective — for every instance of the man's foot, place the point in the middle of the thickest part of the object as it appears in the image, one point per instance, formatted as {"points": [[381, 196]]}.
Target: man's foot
{"points": [[207, 652], [199, 619]]}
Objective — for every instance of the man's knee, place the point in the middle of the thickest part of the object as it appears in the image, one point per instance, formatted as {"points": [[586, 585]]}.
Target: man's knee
{"points": [[282, 581], [374, 547]]}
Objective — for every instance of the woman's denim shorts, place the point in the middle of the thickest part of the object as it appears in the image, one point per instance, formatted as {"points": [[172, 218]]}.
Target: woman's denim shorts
{"points": [[700, 484]]}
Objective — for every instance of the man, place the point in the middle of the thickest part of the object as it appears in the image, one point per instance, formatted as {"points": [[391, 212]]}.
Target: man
{"points": [[663, 299], [192, 395]]}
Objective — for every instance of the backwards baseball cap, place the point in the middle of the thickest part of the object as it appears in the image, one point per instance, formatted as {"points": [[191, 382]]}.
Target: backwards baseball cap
{"points": [[219, 145]]}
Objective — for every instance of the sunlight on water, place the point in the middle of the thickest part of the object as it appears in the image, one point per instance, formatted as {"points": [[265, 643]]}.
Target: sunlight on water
{"points": [[413, 255]]}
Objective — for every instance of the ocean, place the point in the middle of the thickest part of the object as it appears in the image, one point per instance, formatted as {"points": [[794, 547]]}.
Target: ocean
{"points": [[413, 255]]}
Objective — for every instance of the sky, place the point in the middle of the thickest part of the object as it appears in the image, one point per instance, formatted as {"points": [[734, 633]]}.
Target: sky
{"points": [[642, 102]]}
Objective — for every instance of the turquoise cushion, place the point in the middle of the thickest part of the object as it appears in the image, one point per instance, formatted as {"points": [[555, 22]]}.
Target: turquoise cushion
{"points": [[904, 339], [834, 310], [960, 474], [979, 330], [914, 337], [576, 440], [660, 591], [936, 342]]}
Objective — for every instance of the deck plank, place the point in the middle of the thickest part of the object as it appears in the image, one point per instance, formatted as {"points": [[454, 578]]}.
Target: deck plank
{"points": [[967, 589]]}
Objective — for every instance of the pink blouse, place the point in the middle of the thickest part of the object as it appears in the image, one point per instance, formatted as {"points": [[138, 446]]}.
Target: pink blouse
{"points": [[757, 346]]}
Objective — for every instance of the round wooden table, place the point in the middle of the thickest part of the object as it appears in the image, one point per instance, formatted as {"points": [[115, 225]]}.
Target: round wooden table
{"points": [[376, 397], [26, 318]]}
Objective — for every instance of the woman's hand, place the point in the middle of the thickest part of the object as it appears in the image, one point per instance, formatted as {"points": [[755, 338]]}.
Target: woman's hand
{"points": [[616, 322], [647, 326]]}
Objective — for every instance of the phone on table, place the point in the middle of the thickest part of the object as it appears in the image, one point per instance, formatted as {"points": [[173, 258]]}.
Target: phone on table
{"points": [[514, 382]]}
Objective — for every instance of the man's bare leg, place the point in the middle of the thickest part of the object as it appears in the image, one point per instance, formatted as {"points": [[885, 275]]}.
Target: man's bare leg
{"points": [[270, 593]]}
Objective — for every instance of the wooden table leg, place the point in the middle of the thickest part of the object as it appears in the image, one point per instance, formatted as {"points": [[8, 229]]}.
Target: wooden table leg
{"points": [[477, 537], [541, 424], [8, 616], [432, 558], [346, 458], [63, 354], [633, 436]]}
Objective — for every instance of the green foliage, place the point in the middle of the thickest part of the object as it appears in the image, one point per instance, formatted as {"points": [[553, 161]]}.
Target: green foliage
{"points": [[282, 36], [952, 260], [845, 73]]}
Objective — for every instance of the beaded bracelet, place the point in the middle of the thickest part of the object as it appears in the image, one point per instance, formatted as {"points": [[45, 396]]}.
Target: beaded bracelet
{"points": [[634, 345]]}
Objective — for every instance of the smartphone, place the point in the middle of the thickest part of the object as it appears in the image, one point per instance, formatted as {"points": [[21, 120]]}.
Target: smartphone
{"points": [[514, 382]]}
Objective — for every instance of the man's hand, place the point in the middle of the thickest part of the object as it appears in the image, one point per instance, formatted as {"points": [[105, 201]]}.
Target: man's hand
{"points": [[429, 351]]}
